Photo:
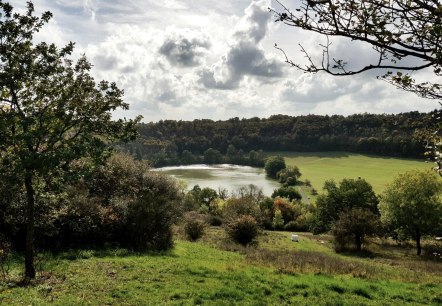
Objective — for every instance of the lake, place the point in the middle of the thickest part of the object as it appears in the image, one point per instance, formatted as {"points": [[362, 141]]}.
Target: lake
{"points": [[230, 177]]}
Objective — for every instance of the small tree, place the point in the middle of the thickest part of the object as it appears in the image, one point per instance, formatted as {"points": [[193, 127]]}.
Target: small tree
{"points": [[52, 112], [353, 227], [411, 206], [273, 165], [287, 209]]}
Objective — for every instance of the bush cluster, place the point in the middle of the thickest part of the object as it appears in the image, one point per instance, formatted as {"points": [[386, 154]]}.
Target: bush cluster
{"points": [[121, 203]]}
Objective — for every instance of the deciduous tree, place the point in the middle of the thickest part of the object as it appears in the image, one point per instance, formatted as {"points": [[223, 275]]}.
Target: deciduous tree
{"points": [[353, 228], [349, 194], [51, 110], [412, 205], [273, 165]]}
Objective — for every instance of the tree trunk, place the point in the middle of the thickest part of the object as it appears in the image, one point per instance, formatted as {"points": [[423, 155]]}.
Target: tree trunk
{"points": [[358, 242], [418, 242], [29, 248]]}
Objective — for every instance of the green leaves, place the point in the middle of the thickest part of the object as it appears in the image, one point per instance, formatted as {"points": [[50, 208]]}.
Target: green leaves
{"points": [[412, 202], [56, 112]]}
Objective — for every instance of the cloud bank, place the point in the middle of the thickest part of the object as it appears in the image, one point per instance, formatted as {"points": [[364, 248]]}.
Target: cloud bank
{"points": [[181, 59]]}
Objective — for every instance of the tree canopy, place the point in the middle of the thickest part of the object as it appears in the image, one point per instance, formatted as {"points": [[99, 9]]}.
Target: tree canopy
{"points": [[170, 142], [349, 194], [52, 111], [273, 165], [411, 206], [350, 209]]}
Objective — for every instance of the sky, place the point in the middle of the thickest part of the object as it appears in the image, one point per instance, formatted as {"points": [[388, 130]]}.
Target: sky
{"points": [[189, 59]]}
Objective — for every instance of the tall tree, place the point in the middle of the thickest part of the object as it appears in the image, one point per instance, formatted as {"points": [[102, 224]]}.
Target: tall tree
{"points": [[411, 206], [405, 34], [52, 112]]}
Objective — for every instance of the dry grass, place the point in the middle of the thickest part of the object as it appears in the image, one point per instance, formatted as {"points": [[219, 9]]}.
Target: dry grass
{"points": [[384, 259], [289, 261]]}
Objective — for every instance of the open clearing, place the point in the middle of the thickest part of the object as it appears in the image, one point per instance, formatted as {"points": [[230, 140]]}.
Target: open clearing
{"points": [[276, 272], [377, 170]]}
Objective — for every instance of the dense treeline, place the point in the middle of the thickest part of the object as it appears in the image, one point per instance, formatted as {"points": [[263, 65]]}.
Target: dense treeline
{"points": [[183, 142]]}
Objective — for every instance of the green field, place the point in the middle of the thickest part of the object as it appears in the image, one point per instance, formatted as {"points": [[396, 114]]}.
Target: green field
{"points": [[276, 272], [378, 171]]}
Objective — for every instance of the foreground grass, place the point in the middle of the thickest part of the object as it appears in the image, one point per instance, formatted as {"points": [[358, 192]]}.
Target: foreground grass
{"points": [[200, 273], [321, 166]]}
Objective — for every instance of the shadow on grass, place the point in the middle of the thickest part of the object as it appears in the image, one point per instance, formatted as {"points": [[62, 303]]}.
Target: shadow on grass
{"points": [[324, 154], [43, 277], [102, 253], [360, 254], [334, 154], [44, 262]]}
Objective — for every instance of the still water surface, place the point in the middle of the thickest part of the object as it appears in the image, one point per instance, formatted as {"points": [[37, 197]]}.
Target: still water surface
{"points": [[230, 177]]}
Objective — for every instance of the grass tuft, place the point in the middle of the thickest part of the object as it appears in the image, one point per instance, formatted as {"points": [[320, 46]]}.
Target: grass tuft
{"points": [[362, 292]]}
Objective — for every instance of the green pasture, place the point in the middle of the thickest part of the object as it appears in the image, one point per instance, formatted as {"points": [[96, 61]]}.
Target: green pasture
{"points": [[321, 166], [213, 272]]}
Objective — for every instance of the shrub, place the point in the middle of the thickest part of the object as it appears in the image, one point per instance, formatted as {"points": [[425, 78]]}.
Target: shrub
{"points": [[236, 207], [152, 214], [215, 220], [96, 207], [288, 210], [278, 221], [194, 226], [243, 230], [289, 176], [299, 225], [289, 192]]}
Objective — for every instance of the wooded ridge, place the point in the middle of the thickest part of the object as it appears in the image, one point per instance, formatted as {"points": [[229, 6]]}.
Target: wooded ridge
{"points": [[170, 142]]}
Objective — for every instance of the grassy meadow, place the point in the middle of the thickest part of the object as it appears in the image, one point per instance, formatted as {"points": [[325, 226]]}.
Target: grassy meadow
{"points": [[321, 166], [213, 271]]}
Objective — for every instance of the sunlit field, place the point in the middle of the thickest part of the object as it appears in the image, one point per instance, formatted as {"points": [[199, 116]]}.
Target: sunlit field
{"points": [[378, 171], [214, 271]]}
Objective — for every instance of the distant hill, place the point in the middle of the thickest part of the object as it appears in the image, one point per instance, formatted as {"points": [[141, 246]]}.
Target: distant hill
{"points": [[176, 142]]}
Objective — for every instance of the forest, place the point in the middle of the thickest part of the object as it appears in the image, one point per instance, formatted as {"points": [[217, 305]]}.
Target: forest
{"points": [[170, 142]]}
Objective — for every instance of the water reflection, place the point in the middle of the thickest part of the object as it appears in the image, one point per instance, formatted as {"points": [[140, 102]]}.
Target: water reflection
{"points": [[230, 177]]}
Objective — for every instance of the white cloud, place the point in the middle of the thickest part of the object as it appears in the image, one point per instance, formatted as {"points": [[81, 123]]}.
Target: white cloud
{"points": [[245, 56], [172, 58], [185, 48]]}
